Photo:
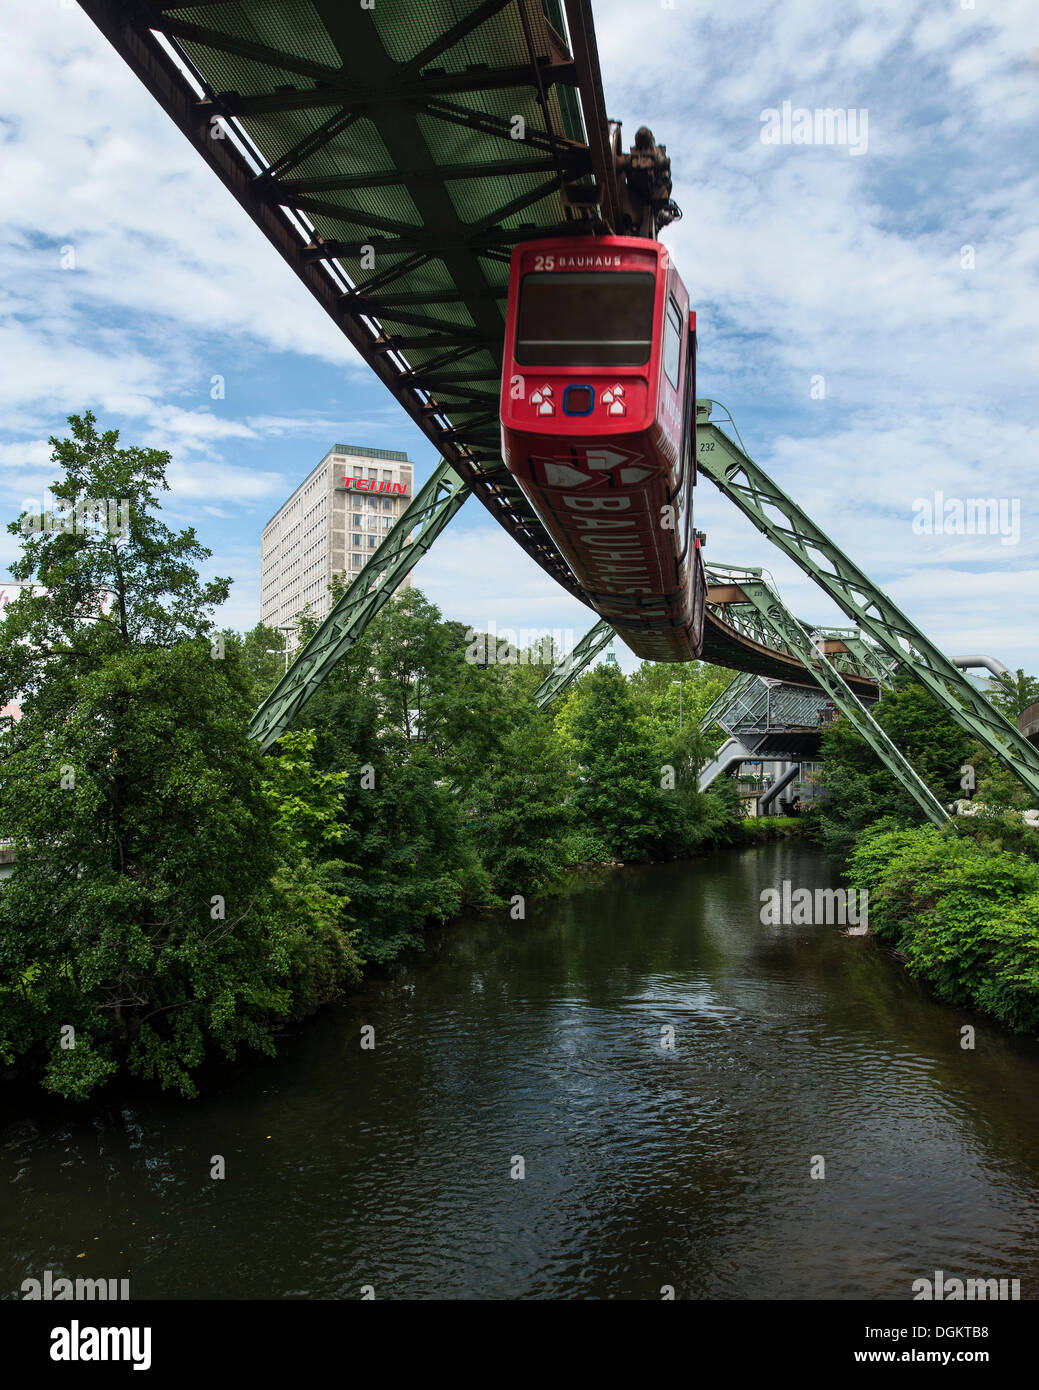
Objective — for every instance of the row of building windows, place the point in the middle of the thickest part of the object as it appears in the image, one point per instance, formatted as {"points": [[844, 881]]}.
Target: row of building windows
{"points": [[306, 542]]}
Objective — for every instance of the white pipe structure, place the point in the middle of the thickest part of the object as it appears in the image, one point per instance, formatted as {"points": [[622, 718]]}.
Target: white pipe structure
{"points": [[990, 663]]}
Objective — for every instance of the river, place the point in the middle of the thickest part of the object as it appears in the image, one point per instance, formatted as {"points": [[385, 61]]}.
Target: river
{"points": [[644, 1166]]}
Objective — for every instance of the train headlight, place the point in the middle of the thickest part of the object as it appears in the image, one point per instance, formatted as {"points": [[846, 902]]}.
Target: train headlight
{"points": [[578, 400]]}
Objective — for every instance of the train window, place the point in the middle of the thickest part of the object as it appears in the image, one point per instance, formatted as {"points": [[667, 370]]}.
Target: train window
{"points": [[672, 342], [586, 318]]}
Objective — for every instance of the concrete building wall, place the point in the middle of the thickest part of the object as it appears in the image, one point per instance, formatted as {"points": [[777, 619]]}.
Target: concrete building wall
{"points": [[332, 524]]}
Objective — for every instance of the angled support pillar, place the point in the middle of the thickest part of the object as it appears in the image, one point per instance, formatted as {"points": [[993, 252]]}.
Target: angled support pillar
{"points": [[786, 627], [564, 675], [787, 526], [432, 507], [767, 797]]}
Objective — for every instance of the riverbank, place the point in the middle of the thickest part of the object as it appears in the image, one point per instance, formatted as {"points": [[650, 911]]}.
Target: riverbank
{"points": [[751, 831], [963, 915], [759, 830]]}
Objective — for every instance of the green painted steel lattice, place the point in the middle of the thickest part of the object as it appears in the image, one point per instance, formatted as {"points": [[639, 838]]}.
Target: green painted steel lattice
{"points": [[784, 523], [790, 632], [566, 672], [429, 512]]}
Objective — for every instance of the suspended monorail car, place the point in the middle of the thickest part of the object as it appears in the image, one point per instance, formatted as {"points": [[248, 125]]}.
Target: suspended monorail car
{"points": [[598, 428]]}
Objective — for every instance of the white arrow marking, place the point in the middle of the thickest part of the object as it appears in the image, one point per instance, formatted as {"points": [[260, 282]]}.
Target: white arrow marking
{"points": [[562, 475], [609, 458]]}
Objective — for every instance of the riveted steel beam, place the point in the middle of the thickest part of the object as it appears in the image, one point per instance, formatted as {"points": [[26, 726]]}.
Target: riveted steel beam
{"points": [[418, 526], [779, 518], [567, 671]]}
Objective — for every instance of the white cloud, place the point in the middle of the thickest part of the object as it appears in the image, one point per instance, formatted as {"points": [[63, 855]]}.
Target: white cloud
{"points": [[801, 261]]}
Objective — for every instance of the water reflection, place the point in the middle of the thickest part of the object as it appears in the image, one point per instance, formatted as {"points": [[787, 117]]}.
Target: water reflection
{"points": [[644, 1166]]}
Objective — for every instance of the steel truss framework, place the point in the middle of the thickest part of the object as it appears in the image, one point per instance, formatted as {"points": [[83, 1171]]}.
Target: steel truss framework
{"points": [[378, 149], [394, 154], [562, 676], [864, 665], [428, 513], [762, 706], [784, 523], [734, 691], [777, 617]]}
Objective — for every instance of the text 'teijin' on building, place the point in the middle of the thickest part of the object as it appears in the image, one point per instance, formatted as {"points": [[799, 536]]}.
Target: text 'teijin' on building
{"points": [[332, 524]]}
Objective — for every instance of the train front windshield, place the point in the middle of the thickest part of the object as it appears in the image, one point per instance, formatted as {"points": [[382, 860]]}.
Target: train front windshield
{"points": [[585, 318]]}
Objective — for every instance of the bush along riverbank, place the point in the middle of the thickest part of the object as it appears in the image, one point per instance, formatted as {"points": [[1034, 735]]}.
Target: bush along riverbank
{"points": [[963, 914], [959, 904], [177, 894], [758, 830]]}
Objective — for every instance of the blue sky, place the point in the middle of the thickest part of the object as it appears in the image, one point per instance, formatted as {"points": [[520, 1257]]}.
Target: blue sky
{"points": [[802, 261]]}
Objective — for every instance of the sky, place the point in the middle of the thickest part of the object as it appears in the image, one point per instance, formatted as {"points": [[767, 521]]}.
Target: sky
{"points": [[866, 310]]}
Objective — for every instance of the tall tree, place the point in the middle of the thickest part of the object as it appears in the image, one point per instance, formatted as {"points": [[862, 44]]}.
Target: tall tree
{"points": [[141, 922], [622, 778], [1013, 692]]}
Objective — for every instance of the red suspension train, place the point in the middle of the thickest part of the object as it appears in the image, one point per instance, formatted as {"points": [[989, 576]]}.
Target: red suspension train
{"points": [[599, 428]]}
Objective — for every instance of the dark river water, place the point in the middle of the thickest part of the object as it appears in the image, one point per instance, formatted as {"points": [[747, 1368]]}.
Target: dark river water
{"points": [[644, 1167]]}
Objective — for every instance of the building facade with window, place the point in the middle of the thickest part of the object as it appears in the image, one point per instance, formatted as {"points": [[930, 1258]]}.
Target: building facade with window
{"points": [[332, 524]]}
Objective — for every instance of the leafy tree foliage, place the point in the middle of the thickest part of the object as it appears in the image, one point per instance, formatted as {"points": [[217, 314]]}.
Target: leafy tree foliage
{"points": [[965, 916], [1013, 692], [144, 920], [177, 892], [861, 792]]}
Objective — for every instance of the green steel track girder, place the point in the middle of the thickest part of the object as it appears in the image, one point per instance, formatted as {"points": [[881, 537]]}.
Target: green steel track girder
{"points": [[449, 190], [862, 656], [861, 660], [779, 518], [429, 511], [786, 627], [563, 675]]}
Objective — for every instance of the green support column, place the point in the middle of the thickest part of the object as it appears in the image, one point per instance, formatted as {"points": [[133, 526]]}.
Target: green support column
{"points": [[563, 675], [432, 507], [786, 627], [787, 526]]}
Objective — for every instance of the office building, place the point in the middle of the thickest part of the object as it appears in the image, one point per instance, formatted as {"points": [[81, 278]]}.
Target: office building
{"points": [[332, 524]]}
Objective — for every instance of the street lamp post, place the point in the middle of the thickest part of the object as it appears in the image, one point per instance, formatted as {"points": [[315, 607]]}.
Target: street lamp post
{"points": [[679, 684], [286, 628]]}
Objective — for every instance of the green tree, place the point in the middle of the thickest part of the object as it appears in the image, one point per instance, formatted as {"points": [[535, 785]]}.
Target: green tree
{"points": [[518, 811], [620, 774], [860, 791], [1013, 692], [141, 923], [378, 719], [263, 655]]}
